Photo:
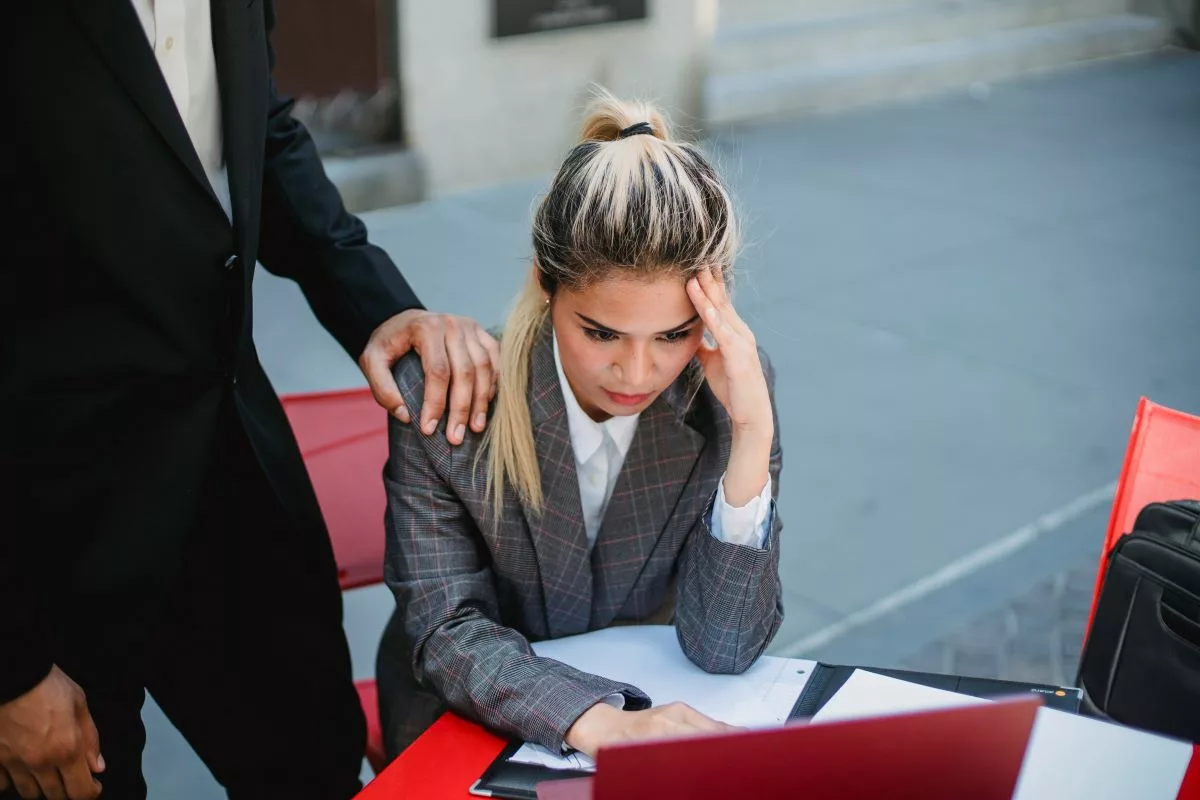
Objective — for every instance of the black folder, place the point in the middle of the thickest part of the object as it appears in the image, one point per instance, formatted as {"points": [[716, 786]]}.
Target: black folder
{"points": [[515, 781], [828, 678]]}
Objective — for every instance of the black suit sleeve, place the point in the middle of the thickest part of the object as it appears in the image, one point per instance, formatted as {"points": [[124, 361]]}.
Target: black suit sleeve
{"points": [[27, 641], [307, 235], [26, 636]]}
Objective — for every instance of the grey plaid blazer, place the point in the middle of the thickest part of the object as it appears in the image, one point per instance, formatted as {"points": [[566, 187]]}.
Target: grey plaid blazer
{"points": [[471, 594]]}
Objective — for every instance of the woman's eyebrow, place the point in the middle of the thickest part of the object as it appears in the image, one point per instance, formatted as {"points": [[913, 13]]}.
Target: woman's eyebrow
{"points": [[603, 327], [677, 328]]}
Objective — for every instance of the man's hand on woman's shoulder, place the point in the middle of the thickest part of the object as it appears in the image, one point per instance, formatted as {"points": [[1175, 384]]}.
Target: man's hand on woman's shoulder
{"points": [[461, 362]]}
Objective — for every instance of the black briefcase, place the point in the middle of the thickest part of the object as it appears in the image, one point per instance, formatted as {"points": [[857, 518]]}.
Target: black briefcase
{"points": [[1141, 663]]}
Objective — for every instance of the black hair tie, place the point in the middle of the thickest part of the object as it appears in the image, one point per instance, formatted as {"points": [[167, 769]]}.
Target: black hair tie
{"points": [[635, 129]]}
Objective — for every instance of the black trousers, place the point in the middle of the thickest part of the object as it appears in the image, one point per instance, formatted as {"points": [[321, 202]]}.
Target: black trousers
{"points": [[245, 653]]}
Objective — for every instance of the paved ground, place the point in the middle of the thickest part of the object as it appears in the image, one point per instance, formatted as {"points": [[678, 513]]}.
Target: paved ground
{"points": [[1037, 637], [964, 300]]}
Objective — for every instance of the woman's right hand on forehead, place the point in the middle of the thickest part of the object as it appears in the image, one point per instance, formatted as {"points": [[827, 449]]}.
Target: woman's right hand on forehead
{"points": [[735, 375], [731, 363]]}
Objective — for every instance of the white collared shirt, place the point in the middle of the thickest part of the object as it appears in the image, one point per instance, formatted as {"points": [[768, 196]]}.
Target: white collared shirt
{"points": [[600, 450], [180, 34]]}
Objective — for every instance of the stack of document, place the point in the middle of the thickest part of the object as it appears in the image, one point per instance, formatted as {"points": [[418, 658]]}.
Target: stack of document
{"points": [[1068, 756], [649, 657]]}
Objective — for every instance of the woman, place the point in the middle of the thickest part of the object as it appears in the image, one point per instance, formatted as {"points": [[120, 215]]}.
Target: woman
{"points": [[628, 472]]}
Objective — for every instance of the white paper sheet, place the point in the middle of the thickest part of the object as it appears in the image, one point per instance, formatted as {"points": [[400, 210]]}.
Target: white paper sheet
{"points": [[868, 694], [536, 754], [649, 657], [1068, 756]]}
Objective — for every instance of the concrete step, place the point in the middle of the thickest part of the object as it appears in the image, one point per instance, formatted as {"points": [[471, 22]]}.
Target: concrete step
{"points": [[797, 42], [733, 13], [924, 69]]}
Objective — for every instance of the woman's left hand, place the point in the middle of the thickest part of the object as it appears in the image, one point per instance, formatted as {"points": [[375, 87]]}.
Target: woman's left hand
{"points": [[732, 367]]}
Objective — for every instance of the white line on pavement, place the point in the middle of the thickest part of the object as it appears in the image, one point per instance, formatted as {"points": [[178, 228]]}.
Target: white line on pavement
{"points": [[954, 571]]}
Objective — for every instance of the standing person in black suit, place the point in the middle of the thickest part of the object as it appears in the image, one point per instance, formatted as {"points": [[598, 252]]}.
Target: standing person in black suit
{"points": [[160, 530]]}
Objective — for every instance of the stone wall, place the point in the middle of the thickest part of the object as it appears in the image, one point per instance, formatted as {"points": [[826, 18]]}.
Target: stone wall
{"points": [[479, 109]]}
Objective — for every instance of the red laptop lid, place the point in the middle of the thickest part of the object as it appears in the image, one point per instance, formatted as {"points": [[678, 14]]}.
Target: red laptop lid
{"points": [[974, 751]]}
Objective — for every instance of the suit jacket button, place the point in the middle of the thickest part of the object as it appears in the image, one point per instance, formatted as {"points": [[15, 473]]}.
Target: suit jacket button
{"points": [[231, 262]]}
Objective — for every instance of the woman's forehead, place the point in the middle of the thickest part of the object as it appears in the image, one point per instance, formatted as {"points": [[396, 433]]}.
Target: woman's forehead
{"points": [[633, 305]]}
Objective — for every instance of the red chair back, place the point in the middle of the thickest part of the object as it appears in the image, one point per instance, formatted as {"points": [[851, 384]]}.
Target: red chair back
{"points": [[1162, 462], [343, 438]]}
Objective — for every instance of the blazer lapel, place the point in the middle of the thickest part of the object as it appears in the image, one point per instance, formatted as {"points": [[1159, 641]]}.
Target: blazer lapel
{"points": [[558, 533], [242, 74], [115, 32], [650, 488]]}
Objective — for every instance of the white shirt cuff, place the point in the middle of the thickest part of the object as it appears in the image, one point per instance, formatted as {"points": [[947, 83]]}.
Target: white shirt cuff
{"points": [[747, 525]]}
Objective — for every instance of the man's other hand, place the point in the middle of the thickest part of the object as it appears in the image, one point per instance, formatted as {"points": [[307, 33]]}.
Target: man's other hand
{"points": [[49, 745]]}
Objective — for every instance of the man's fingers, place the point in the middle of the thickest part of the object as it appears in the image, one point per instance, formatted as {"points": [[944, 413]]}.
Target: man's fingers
{"points": [[462, 384], [24, 782], [492, 347], [436, 364], [378, 369], [78, 781], [461, 363], [382, 351], [5, 781], [485, 379], [91, 744], [401, 412], [50, 783]]}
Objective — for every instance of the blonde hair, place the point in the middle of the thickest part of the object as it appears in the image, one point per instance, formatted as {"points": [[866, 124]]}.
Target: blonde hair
{"points": [[627, 200]]}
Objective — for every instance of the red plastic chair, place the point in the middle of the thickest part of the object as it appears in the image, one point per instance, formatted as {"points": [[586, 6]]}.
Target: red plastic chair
{"points": [[343, 438], [1162, 462]]}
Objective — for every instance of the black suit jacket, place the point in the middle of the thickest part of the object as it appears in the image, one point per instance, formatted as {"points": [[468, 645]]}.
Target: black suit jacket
{"points": [[125, 304]]}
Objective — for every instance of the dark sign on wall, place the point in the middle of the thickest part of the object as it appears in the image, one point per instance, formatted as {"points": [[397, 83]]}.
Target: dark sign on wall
{"points": [[516, 17]]}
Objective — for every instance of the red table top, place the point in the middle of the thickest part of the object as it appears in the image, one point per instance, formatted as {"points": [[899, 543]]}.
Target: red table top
{"points": [[443, 763], [453, 753]]}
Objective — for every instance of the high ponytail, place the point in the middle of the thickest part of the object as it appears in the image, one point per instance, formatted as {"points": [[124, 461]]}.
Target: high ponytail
{"points": [[607, 117]]}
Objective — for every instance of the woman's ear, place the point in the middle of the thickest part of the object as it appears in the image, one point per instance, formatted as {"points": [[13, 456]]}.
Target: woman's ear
{"points": [[540, 279]]}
